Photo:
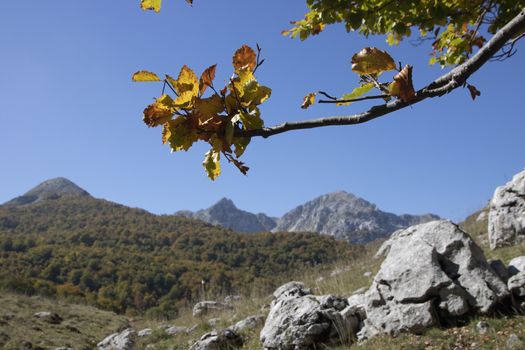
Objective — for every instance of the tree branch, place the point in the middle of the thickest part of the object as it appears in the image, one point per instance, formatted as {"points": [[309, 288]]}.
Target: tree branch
{"points": [[442, 85]]}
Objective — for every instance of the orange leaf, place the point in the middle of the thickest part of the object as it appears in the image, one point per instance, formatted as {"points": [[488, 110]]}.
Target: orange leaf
{"points": [[402, 87], [244, 58], [207, 78], [308, 100]]}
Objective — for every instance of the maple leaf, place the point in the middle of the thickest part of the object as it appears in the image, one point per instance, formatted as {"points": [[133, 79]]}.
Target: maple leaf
{"points": [[244, 58], [144, 75], [308, 100], [151, 5], [207, 78], [372, 61], [402, 87]]}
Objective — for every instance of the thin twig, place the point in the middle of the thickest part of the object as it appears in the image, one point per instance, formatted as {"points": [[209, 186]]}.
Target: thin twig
{"points": [[355, 99]]}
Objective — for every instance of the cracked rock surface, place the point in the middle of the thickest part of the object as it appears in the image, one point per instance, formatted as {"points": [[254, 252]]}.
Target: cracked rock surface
{"points": [[433, 273], [507, 213]]}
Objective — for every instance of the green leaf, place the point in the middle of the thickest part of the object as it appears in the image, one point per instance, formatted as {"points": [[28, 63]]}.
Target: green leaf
{"points": [[356, 93], [212, 164]]}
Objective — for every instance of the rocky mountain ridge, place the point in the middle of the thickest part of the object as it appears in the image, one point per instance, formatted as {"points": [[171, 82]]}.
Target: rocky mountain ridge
{"points": [[338, 214], [50, 189], [224, 213]]}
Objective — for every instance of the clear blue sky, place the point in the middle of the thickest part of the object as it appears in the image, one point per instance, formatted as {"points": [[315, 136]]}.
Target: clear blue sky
{"points": [[68, 108]]}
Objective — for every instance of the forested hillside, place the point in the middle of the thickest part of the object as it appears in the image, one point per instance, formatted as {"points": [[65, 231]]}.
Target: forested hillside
{"points": [[129, 260]]}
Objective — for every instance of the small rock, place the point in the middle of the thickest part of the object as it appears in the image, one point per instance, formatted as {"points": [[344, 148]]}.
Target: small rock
{"points": [[516, 265], [514, 342], [124, 340], [146, 332], [203, 308], [249, 323], [26, 345], [174, 330], [482, 327], [224, 339], [292, 289], [516, 284], [367, 274], [50, 317]]}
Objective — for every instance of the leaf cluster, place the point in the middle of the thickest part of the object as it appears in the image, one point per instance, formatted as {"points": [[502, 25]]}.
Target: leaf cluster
{"points": [[454, 27], [188, 116]]}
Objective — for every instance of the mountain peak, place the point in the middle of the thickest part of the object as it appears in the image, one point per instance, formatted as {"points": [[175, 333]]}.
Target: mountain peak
{"points": [[50, 189], [225, 203]]}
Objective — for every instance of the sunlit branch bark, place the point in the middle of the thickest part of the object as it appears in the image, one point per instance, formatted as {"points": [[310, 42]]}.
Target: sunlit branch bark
{"points": [[442, 85]]}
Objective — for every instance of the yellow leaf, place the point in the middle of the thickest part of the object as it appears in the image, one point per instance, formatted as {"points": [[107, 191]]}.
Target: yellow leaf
{"points": [[372, 61], [308, 100], [248, 90], [151, 5], [144, 75], [207, 78], [180, 134], [251, 120], [212, 164], [210, 106], [159, 112], [402, 87], [187, 86], [244, 58]]}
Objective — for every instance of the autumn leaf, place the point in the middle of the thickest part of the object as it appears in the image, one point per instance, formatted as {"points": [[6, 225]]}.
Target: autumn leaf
{"points": [[356, 93], [151, 5], [144, 75], [308, 100], [251, 120], [372, 61], [159, 112], [244, 58], [210, 106], [402, 87], [207, 78], [212, 164], [473, 91], [180, 134], [187, 86], [240, 144]]}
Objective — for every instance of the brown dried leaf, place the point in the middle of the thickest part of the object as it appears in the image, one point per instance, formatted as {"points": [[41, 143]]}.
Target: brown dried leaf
{"points": [[207, 78], [473, 91], [244, 58], [402, 87], [372, 61]]}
